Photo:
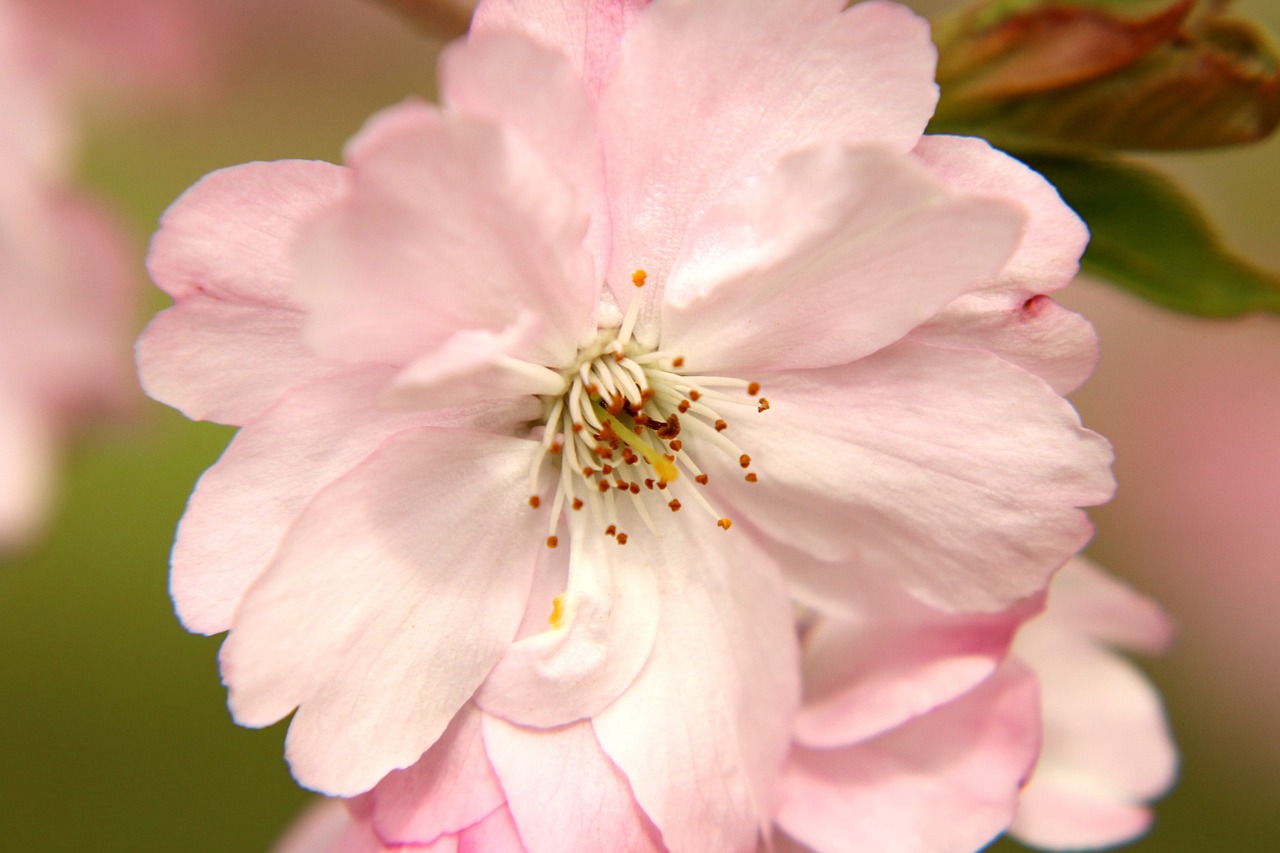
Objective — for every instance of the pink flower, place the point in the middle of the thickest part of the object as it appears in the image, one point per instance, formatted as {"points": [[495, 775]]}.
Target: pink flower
{"points": [[64, 284], [692, 256], [918, 734]]}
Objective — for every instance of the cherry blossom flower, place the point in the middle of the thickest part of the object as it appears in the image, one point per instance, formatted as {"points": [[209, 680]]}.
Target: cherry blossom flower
{"points": [[663, 305], [64, 287], [918, 733], [919, 729]]}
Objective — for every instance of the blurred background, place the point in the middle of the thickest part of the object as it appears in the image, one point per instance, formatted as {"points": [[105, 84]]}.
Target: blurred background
{"points": [[114, 733]]}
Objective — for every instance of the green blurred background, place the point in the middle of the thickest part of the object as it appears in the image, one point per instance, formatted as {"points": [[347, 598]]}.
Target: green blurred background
{"points": [[113, 729]]}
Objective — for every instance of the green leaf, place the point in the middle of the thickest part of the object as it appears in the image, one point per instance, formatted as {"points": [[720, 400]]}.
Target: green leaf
{"points": [[1150, 238]]}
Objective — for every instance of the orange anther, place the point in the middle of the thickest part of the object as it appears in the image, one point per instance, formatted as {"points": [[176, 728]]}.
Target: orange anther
{"points": [[534, 501], [753, 389], [724, 523], [552, 541]]}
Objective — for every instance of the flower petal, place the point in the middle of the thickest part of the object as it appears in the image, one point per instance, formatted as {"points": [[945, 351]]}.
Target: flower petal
{"points": [[230, 234], [565, 793], [379, 617], [244, 504], [1048, 256], [836, 254], [708, 92], [1012, 317], [449, 789], [225, 361], [950, 470], [702, 731], [1089, 602], [327, 827], [452, 223], [27, 461], [600, 638], [588, 34], [497, 833], [894, 661], [232, 343], [1107, 746], [947, 781], [537, 92]]}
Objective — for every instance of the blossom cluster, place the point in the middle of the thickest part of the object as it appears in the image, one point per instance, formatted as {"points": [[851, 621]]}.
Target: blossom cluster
{"points": [[659, 445], [64, 279]]}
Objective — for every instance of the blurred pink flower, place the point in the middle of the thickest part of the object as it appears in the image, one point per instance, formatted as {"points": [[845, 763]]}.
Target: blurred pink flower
{"points": [[64, 286], [441, 360], [917, 733]]}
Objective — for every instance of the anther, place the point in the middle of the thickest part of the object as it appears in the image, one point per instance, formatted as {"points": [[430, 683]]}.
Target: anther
{"points": [[622, 539], [678, 361], [674, 505], [556, 447], [695, 395], [534, 501], [634, 488], [744, 460], [552, 541], [724, 523], [764, 405], [611, 530], [684, 406], [702, 479], [721, 426], [753, 389], [638, 277], [752, 478], [603, 486], [676, 444], [577, 503]]}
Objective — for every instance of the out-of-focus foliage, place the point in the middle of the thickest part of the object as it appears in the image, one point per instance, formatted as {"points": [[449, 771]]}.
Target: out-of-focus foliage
{"points": [[1149, 238], [1064, 84], [1106, 74]]}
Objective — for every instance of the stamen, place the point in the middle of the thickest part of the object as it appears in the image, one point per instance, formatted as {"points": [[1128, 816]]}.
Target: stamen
{"points": [[633, 309]]}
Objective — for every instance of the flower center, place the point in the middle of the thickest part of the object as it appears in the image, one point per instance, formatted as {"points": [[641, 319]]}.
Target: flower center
{"points": [[628, 427]]}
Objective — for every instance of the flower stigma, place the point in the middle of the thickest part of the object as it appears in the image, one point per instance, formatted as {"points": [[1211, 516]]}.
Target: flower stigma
{"points": [[627, 427]]}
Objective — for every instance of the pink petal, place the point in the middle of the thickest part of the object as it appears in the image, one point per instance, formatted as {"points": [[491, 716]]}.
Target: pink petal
{"points": [[27, 461], [474, 366], [1033, 332], [1013, 318], [702, 731], [1107, 746], [225, 361], [843, 251], [497, 833], [539, 93], [708, 92], [449, 789], [229, 235], [947, 781], [565, 793], [1058, 819], [452, 224], [576, 667], [232, 343], [951, 470], [1089, 602], [1048, 256], [588, 34], [244, 504], [377, 619], [892, 662], [327, 827]]}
